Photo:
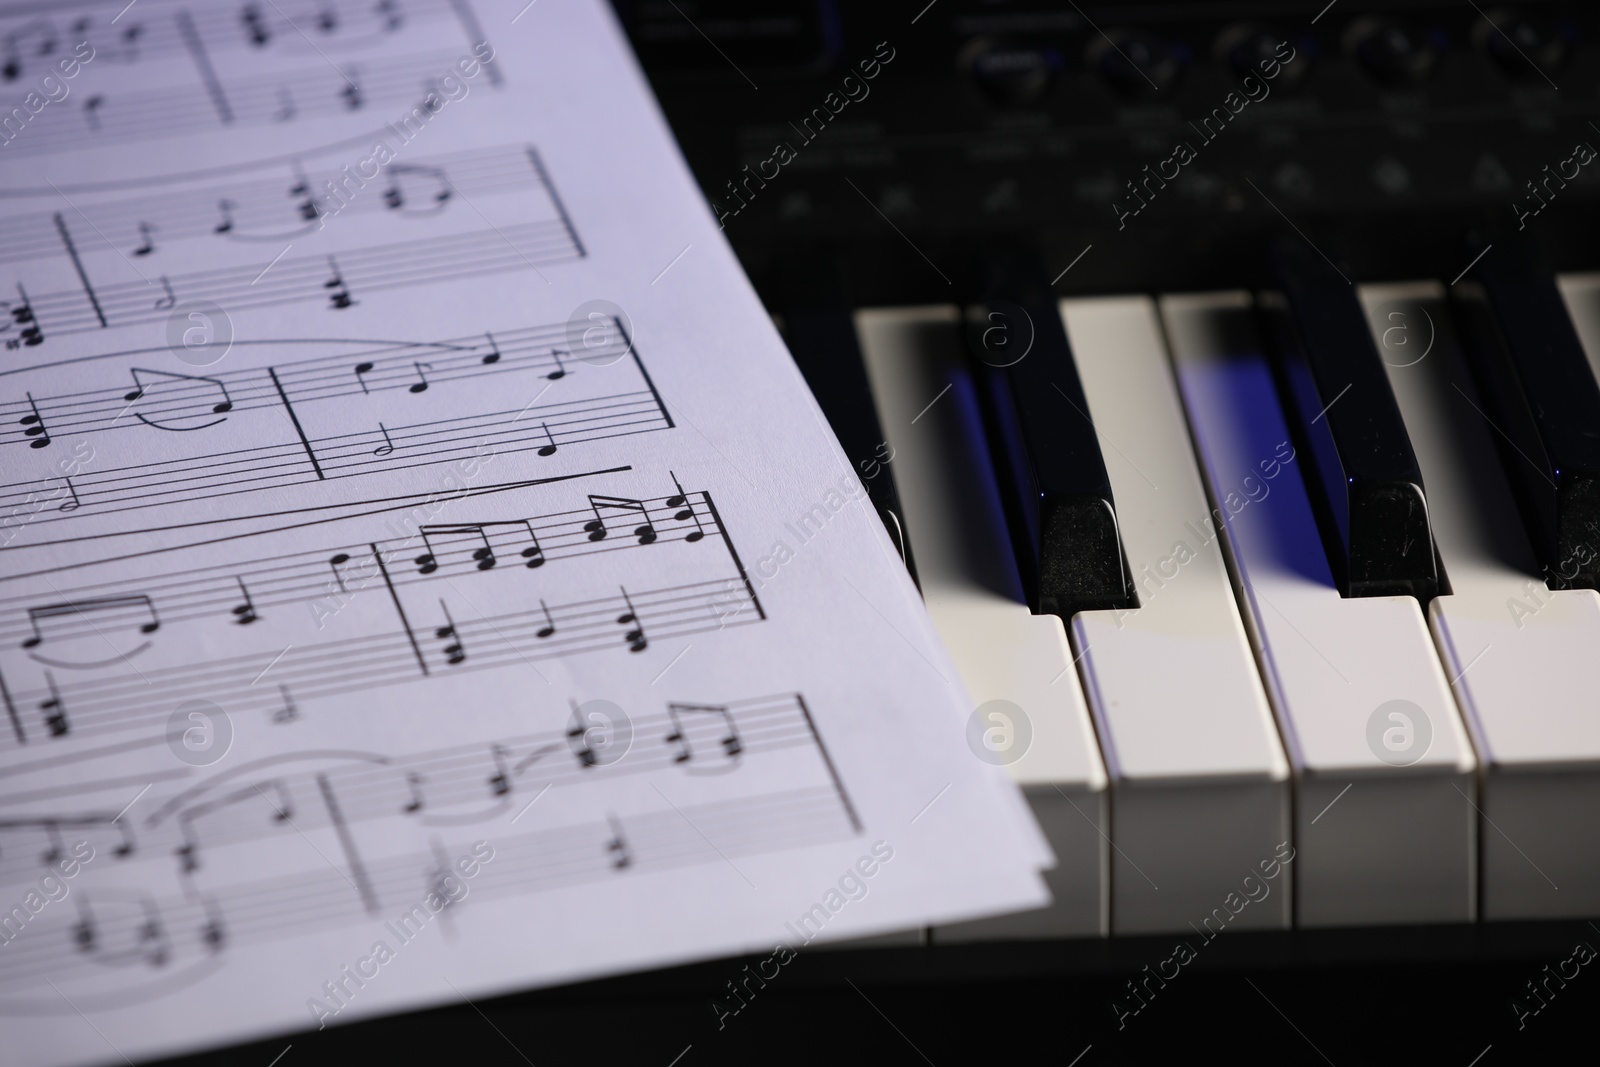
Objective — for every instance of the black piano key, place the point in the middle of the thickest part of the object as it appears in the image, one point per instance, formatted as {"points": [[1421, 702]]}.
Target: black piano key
{"points": [[1540, 394], [1062, 515], [1365, 486], [820, 332]]}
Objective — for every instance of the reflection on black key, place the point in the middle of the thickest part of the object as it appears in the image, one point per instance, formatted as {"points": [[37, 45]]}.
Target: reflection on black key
{"points": [[1540, 395], [1058, 497], [1364, 483], [822, 338]]}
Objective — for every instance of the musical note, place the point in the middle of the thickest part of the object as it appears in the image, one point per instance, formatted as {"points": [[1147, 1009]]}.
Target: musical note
{"points": [[499, 783], [286, 107], [421, 385], [255, 26], [55, 712], [351, 93], [596, 528], [730, 741], [212, 931], [327, 17], [428, 561], [22, 315], [289, 712], [362, 370], [618, 845], [339, 296], [225, 209], [549, 626], [140, 603], [52, 852], [146, 231], [41, 28], [549, 449], [560, 372], [91, 110], [388, 445], [394, 195], [414, 784], [85, 933], [578, 738], [455, 652], [680, 500], [130, 42], [337, 561], [389, 12], [180, 387], [166, 302], [245, 613], [35, 425], [74, 503], [494, 355], [637, 642], [307, 207]]}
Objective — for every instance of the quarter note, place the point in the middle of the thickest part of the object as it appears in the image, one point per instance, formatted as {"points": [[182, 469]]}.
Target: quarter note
{"points": [[362, 370], [454, 652], [421, 385], [596, 528], [637, 642], [414, 787], [327, 17], [549, 626], [618, 848], [494, 350], [35, 425], [225, 209], [245, 612], [91, 110], [288, 712], [388, 445], [255, 25], [338, 560], [212, 932], [499, 782], [560, 372], [549, 449], [146, 231], [55, 711], [389, 15], [339, 296], [351, 93], [686, 510], [22, 315]]}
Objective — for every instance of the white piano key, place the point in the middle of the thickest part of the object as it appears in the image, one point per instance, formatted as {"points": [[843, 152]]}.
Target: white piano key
{"points": [[969, 580], [1199, 780], [1384, 829], [1522, 654]]}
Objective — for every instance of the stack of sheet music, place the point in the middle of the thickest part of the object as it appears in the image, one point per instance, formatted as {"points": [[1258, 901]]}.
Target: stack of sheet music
{"points": [[423, 573]]}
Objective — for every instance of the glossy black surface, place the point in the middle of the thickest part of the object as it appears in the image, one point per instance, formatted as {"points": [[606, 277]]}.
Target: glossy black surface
{"points": [[1366, 488], [1059, 502], [1540, 394]]}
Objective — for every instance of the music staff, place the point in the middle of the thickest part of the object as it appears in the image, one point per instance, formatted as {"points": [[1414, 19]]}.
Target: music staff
{"points": [[132, 703], [255, 210], [294, 279]]}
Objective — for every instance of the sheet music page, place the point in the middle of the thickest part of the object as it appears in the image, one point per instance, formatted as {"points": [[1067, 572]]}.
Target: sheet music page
{"points": [[423, 573]]}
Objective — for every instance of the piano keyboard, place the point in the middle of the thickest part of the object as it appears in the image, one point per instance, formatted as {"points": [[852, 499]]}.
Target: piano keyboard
{"points": [[1280, 606]]}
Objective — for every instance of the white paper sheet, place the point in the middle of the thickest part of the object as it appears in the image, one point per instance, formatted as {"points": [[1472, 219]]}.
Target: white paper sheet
{"points": [[423, 574]]}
